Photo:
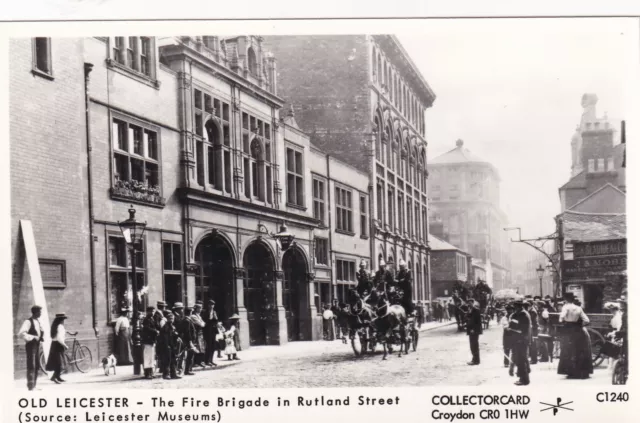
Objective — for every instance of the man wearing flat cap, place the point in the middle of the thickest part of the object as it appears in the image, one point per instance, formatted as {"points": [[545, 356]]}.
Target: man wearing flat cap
{"points": [[33, 335]]}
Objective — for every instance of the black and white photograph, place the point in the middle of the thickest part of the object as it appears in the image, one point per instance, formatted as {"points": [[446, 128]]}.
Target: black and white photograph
{"points": [[440, 206]]}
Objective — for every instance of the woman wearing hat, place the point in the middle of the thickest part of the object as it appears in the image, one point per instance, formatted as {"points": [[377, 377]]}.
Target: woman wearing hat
{"points": [[58, 347], [122, 331], [575, 347]]}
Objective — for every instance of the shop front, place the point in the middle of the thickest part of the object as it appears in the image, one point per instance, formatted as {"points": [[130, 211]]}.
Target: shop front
{"points": [[597, 273]]}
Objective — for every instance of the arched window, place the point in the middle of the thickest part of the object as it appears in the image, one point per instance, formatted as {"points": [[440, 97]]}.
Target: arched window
{"points": [[386, 76], [403, 161], [375, 64], [257, 169], [379, 73], [257, 158], [389, 148], [423, 165], [412, 171], [380, 201], [214, 155], [395, 156], [252, 61], [378, 136]]}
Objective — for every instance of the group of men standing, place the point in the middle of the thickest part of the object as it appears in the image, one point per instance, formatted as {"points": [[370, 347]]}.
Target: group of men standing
{"points": [[198, 333], [396, 290]]}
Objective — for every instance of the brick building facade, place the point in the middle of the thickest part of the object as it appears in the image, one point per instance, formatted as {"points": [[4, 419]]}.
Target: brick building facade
{"points": [[189, 131], [450, 266], [361, 98]]}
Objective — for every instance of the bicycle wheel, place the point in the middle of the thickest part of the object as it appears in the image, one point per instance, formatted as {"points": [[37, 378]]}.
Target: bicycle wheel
{"points": [[82, 359], [619, 375]]}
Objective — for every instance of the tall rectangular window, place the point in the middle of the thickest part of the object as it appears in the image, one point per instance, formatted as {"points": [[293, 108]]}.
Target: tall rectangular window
{"points": [[322, 251], [136, 161], [172, 271], [601, 165], [318, 199], [322, 295], [295, 177], [42, 55], [391, 209], [345, 278], [591, 166], [134, 53], [364, 222], [121, 275], [344, 210], [611, 166]]}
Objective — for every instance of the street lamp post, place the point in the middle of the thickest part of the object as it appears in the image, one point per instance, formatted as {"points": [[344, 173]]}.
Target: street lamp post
{"points": [[540, 272], [133, 231]]}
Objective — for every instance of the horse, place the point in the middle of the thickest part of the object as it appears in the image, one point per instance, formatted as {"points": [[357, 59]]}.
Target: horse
{"points": [[388, 319]]}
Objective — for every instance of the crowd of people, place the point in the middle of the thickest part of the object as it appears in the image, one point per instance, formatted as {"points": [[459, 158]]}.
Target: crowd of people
{"points": [[173, 341], [528, 335]]}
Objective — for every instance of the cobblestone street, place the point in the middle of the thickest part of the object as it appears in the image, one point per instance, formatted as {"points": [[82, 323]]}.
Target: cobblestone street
{"points": [[441, 359]]}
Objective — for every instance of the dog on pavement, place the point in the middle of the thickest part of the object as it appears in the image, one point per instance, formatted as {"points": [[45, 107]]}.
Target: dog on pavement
{"points": [[109, 363]]}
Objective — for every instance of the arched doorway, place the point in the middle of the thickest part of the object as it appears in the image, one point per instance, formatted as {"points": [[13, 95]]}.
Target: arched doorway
{"points": [[294, 292], [259, 291], [214, 279]]}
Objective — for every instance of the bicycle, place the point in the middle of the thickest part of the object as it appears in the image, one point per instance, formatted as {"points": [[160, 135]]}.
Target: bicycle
{"points": [[78, 355]]}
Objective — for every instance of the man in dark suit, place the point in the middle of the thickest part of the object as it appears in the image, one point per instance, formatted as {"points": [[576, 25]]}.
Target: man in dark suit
{"points": [[520, 326], [210, 318], [474, 330], [533, 315]]}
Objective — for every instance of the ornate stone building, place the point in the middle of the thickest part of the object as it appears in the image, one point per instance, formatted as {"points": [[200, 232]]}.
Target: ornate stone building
{"points": [[465, 210], [190, 131]]}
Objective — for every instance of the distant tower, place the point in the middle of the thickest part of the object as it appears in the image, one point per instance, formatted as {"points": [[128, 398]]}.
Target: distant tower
{"points": [[589, 102], [576, 152]]}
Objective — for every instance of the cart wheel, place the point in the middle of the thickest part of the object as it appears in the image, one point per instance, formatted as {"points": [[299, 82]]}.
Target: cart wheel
{"points": [[414, 339], [597, 341]]}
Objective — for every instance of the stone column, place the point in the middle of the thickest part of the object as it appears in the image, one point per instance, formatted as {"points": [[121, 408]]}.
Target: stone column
{"points": [[315, 324], [243, 322], [191, 270], [277, 332]]}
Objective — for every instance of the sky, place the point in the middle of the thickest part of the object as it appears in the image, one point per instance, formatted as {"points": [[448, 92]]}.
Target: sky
{"points": [[511, 90]]}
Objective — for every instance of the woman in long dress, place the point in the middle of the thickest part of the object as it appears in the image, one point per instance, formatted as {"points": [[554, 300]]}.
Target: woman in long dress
{"points": [[122, 331], [575, 347], [55, 361]]}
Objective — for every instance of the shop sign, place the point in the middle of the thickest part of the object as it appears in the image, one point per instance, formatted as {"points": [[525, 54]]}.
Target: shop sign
{"points": [[600, 248], [594, 266]]}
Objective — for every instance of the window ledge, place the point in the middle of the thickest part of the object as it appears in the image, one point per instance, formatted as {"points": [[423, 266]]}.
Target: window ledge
{"points": [[123, 194], [343, 232], [41, 74], [133, 74], [296, 206], [364, 237]]}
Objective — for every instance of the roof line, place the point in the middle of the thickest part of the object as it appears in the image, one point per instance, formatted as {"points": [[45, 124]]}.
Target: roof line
{"points": [[595, 192], [571, 179], [592, 214]]}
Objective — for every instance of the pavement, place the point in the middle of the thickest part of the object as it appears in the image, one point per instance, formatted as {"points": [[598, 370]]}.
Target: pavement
{"points": [[441, 359]]}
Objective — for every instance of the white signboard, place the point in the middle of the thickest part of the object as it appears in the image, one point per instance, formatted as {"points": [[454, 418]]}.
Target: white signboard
{"points": [[36, 280], [577, 292]]}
